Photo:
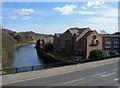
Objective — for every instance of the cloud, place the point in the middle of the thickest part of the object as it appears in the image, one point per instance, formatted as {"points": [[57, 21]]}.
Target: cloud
{"points": [[10, 17], [90, 3], [96, 7], [95, 3], [86, 12], [99, 20], [24, 11], [110, 13], [84, 8], [26, 18], [68, 9], [13, 17]]}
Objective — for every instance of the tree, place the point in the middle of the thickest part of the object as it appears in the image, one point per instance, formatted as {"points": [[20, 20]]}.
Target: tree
{"points": [[17, 37], [103, 32], [48, 47], [98, 53]]}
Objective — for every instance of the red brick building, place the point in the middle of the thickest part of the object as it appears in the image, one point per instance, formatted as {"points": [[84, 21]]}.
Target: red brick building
{"points": [[78, 41]]}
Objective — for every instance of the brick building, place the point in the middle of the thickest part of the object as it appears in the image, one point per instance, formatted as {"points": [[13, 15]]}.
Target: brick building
{"points": [[111, 42], [43, 41], [78, 41]]}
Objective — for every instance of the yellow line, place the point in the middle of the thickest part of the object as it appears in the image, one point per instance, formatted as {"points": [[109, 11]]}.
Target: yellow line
{"points": [[51, 75]]}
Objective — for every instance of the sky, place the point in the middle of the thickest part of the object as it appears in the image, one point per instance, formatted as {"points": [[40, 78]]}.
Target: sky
{"points": [[57, 17]]}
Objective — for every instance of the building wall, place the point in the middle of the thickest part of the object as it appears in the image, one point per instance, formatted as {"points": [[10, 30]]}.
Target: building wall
{"points": [[94, 46], [55, 42], [66, 41], [111, 43]]}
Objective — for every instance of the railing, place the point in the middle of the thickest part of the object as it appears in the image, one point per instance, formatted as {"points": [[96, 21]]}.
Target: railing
{"points": [[33, 68]]}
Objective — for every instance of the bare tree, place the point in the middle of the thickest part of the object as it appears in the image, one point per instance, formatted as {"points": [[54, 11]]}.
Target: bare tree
{"points": [[103, 32]]}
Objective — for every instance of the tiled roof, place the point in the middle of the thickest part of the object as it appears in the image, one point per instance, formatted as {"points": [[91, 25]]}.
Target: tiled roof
{"points": [[77, 31], [58, 34], [87, 34]]}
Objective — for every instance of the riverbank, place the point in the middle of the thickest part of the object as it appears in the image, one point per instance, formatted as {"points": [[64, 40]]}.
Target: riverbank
{"points": [[18, 45], [8, 52]]}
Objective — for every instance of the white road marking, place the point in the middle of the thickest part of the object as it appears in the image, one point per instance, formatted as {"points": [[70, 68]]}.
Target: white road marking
{"points": [[108, 74], [74, 81], [98, 74], [116, 69], [116, 79]]}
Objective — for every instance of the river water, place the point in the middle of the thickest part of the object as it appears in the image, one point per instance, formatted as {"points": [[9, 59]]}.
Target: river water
{"points": [[26, 56]]}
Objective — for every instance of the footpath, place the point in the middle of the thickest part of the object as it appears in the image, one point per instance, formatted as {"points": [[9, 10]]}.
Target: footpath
{"points": [[24, 76]]}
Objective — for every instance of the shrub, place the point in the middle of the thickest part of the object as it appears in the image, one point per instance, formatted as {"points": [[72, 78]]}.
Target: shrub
{"points": [[98, 53], [48, 47]]}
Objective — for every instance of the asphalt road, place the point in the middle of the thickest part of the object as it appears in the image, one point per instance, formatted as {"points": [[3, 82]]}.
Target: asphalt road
{"points": [[106, 75]]}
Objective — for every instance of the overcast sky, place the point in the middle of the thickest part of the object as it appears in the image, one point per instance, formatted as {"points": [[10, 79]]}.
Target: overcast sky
{"points": [[56, 17]]}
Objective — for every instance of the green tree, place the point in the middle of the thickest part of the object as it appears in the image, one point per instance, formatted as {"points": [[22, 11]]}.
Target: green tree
{"points": [[17, 37], [98, 53], [48, 47]]}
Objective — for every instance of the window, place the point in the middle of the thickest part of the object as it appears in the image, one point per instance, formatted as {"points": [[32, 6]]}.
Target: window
{"points": [[96, 41], [92, 41], [94, 36]]}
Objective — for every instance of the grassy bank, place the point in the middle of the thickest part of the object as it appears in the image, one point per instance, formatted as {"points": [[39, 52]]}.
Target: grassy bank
{"points": [[18, 45], [9, 45]]}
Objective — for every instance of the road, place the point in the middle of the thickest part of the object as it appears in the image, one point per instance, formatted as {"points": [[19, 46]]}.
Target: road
{"points": [[106, 75]]}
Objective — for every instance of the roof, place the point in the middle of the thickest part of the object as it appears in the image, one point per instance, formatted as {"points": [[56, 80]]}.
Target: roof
{"points": [[109, 35], [87, 34], [49, 39], [76, 30], [58, 34]]}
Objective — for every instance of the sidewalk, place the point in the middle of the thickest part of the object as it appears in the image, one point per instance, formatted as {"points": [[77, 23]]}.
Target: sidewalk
{"points": [[11, 78]]}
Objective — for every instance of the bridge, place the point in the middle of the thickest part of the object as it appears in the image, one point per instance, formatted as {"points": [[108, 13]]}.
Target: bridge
{"points": [[98, 73]]}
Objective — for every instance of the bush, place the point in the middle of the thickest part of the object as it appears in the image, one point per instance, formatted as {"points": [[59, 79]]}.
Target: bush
{"points": [[98, 53], [48, 47]]}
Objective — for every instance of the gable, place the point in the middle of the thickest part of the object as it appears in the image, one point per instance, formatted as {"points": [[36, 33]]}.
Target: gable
{"points": [[83, 33]]}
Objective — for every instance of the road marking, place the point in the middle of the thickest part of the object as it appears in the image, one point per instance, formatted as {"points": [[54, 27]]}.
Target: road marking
{"points": [[116, 79], [116, 69], [98, 74], [74, 81], [53, 74], [108, 74]]}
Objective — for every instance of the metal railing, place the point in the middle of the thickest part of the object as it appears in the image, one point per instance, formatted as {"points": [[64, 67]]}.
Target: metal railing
{"points": [[33, 68]]}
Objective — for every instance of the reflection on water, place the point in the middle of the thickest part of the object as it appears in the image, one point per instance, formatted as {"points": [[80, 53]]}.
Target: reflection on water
{"points": [[26, 56]]}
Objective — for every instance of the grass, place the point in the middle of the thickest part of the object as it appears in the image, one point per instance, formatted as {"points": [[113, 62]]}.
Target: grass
{"points": [[18, 45]]}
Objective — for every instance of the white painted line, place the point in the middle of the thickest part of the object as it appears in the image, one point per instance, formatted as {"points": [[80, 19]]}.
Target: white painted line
{"points": [[74, 81], [108, 74], [98, 74], [116, 79]]}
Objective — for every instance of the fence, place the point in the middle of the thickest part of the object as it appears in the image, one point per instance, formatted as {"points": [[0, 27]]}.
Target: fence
{"points": [[33, 68], [47, 66]]}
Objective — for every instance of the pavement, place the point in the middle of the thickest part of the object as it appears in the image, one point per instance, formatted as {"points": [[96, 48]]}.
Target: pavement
{"points": [[98, 73]]}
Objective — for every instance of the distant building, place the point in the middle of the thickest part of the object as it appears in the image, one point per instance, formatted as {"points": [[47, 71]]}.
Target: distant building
{"points": [[78, 41], [111, 42], [44, 41]]}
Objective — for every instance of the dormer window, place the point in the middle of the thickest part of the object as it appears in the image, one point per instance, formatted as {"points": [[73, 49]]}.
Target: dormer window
{"points": [[94, 36]]}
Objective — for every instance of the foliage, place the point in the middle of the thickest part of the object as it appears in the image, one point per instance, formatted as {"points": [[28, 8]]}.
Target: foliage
{"points": [[17, 37], [98, 53], [7, 49], [48, 47]]}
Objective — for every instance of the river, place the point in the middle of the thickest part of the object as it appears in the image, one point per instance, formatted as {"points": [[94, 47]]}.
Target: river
{"points": [[26, 56]]}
